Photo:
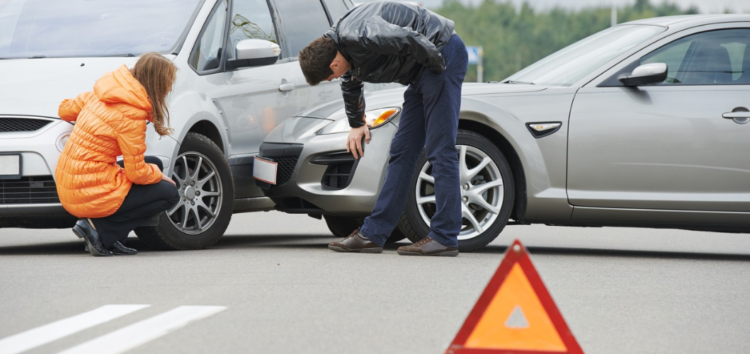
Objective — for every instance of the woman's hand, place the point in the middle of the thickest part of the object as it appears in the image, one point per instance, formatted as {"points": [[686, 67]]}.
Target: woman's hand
{"points": [[354, 142], [165, 178]]}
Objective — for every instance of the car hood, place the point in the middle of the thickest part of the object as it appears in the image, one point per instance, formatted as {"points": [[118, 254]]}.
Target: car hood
{"points": [[496, 88], [391, 97], [335, 109], [37, 86]]}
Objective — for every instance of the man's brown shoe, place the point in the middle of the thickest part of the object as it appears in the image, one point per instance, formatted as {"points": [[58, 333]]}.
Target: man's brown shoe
{"points": [[427, 247], [355, 243]]}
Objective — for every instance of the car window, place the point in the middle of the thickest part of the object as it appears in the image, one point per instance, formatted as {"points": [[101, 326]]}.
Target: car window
{"points": [[336, 8], [574, 62], [708, 58], [302, 24], [206, 55], [251, 19]]}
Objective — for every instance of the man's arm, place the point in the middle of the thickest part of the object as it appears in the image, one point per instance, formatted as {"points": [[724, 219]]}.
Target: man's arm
{"points": [[386, 38], [354, 100], [354, 103]]}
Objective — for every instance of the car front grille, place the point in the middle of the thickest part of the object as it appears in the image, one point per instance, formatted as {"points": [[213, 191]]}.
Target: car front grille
{"points": [[285, 155], [285, 168], [22, 124], [28, 190]]}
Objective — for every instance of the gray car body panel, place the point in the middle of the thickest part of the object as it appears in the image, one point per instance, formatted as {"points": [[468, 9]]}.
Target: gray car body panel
{"points": [[568, 177], [699, 176], [543, 160]]}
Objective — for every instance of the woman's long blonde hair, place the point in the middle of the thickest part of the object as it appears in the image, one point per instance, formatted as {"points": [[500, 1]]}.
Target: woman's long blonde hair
{"points": [[157, 74]]}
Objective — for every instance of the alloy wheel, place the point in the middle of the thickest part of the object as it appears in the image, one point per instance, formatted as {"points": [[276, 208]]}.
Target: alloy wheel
{"points": [[481, 191], [200, 191]]}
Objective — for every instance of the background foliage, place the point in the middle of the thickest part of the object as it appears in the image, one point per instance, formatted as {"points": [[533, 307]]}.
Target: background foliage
{"points": [[515, 37]]}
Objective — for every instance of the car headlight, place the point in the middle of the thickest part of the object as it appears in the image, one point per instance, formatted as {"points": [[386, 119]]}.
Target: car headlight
{"points": [[373, 118]]}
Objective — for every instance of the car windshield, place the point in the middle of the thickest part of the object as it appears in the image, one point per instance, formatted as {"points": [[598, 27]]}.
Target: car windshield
{"points": [[86, 28], [572, 63]]}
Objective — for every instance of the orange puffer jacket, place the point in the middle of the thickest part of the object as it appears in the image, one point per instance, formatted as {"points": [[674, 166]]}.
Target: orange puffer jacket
{"points": [[110, 121]]}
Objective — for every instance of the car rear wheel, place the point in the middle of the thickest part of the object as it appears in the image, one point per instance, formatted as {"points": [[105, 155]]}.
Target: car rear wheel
{"points": [[342, 226], [487, 193], [206, 192]]}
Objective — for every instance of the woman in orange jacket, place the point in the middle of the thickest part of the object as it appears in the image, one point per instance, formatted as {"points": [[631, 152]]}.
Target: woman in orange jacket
{"points": [[110, 199]]}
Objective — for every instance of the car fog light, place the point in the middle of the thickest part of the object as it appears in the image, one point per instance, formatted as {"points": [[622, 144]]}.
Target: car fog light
{"points": [[61, 141]]}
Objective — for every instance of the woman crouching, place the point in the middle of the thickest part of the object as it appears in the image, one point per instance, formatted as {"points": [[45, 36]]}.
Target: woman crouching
{"points": [[112, 199]]}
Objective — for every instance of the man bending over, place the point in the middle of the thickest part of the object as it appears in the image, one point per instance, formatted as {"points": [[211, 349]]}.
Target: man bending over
{"points": [[392, 42]]}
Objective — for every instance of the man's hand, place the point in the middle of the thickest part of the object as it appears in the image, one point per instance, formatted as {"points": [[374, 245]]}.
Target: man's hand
{"points": [[354, 142], [165, 178]]}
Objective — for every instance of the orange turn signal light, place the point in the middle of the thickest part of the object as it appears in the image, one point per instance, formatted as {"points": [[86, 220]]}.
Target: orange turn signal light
{"points": [[383, 117]]}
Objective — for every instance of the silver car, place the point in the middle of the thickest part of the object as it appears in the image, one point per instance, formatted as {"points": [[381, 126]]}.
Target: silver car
{"points": [[238, 78], [643, 124]]}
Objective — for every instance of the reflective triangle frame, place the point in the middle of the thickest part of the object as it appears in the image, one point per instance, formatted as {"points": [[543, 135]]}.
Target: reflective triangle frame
{"points": [[515, 254]]}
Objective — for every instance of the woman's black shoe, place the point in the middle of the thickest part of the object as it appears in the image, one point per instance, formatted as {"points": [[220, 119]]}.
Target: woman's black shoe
{"points": [[83, 230], [119, 248]]}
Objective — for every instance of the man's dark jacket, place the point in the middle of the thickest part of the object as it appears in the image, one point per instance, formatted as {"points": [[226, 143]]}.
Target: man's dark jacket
{"points": [[387, 42]]}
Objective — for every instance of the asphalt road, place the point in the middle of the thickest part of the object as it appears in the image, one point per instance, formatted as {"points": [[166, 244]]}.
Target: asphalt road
{"points": [[271, 286]]}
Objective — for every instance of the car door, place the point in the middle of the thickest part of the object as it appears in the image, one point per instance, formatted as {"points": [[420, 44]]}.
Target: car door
{"points": [[261, 96], [301, 25], [668, 146]]}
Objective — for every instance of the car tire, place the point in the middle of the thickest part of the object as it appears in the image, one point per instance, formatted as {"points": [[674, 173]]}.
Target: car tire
{"points": [[490, 214], [206, 189], [342, 226]]}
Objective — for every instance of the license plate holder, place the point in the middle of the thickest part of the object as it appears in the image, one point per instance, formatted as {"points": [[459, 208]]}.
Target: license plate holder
{"points": [[265, 170], [10, 166]]}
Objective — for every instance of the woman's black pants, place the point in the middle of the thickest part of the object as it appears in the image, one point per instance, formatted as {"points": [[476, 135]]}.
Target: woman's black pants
{"points": [[141, 203]]}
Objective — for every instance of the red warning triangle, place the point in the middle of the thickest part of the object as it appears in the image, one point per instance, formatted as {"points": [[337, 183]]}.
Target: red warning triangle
{"points": [[515, 314]]}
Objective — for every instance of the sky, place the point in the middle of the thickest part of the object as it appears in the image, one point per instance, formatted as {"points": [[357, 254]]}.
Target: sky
{"points": [[705, 6]]}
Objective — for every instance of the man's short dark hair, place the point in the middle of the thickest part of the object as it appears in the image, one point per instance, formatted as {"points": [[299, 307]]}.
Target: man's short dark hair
{"points": [[316, 59]]}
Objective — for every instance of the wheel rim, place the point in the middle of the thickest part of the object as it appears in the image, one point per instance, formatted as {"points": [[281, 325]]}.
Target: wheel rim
{"points": [[200, 193], [482, 191]]}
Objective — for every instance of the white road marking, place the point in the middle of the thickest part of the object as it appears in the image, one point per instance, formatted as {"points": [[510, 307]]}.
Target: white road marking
{"points": [[144, 331], [50, 332]]}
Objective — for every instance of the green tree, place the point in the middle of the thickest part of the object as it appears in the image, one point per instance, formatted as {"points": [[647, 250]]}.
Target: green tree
{"points": [[514, 37]]}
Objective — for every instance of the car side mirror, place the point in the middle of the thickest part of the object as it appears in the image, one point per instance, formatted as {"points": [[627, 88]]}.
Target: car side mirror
{"points": [[646, 74], [254, 52]]}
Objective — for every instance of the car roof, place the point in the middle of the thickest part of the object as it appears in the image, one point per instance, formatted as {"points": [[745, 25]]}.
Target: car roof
{"points": [[691, 20]]}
